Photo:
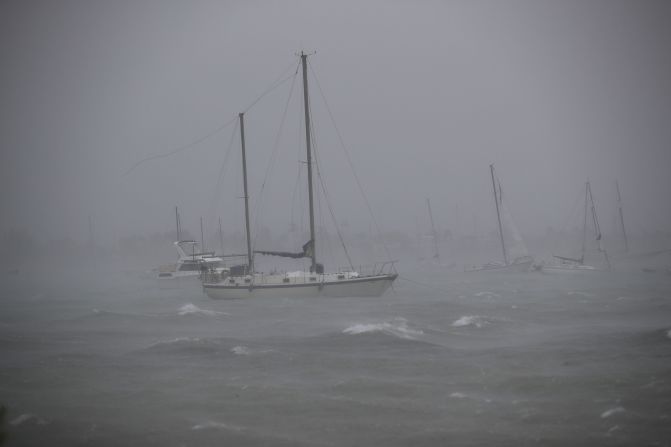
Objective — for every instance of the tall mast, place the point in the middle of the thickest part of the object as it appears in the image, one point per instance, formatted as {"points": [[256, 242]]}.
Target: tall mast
{"points": [[221, 238], [498, 215], [306, 106], [433, 230], [584, 224], [179, 235], [619, 208], [202, 238], [597, 229], [595, 222], [250, 259]]}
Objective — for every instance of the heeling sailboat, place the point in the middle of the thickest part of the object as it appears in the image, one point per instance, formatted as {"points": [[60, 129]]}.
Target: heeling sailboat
{"points": [[521, 261], [572, 264], [312, 283]]}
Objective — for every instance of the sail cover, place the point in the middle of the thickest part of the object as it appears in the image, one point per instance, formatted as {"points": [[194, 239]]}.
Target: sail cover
{"points": [[306, 253]]}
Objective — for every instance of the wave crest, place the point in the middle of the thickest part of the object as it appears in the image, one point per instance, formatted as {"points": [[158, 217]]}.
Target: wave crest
{"points": [[192, 309], [398, 327], [471, 320], [241, 350]]}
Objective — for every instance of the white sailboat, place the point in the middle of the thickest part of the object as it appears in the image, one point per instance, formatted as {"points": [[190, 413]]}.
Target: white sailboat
{"points": [[515, 256], [245, 282], [566, 264]]}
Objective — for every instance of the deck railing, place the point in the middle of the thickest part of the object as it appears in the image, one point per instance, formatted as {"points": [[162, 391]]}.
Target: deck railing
{"points": [[375, 269]]}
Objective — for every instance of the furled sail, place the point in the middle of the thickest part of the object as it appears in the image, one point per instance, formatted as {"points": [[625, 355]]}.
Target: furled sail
{"points": [[306, 253]]}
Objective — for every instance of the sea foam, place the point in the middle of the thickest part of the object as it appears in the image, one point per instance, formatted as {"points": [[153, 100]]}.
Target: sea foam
{"points": [[192, 309], [398, 327], [612, 411], [471, 320], [241, 350], [27, 417]]}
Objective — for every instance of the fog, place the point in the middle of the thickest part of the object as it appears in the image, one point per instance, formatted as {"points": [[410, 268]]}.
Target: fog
{"points": [[424, 94], [116, 114]]}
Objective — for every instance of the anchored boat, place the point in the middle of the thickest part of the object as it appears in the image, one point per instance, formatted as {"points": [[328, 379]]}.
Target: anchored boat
{"points": [[245, 282], [566, 264]]}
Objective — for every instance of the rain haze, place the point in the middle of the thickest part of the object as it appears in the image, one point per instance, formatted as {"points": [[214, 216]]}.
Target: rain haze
{"points": [[115, 114]]}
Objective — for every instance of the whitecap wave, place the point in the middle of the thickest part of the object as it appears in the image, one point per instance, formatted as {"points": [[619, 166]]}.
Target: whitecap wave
{"points": [[176, 341], [192, 309], [27, 417], [397, 327], [241, 350], [216, 425], [612, 411], [458, 395], [471, 320]]}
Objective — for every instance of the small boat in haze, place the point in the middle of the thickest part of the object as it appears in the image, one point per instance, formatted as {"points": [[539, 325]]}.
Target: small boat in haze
{"points": [[577, 264], [191, 263]]}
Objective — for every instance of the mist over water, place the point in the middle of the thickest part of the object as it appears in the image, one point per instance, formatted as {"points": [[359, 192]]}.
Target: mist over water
{"points": [[107, 358], [117, 116]]}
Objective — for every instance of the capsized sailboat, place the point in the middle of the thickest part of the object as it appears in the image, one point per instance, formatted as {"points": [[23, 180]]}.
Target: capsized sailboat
{"points": [[246, 282], [575, 264], [515, 257]]}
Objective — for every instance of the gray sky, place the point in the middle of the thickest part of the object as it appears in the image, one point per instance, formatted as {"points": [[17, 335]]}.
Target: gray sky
{"points": [[426, 95]]}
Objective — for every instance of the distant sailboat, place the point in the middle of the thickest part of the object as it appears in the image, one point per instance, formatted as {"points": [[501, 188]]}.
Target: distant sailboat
{"points": [[621, 215], [575, 264], [192, 259], [245, 282], [515, 257], [434, 235]]}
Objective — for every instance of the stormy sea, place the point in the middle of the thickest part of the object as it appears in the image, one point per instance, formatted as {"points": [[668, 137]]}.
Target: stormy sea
{"points": [[445, 358]]}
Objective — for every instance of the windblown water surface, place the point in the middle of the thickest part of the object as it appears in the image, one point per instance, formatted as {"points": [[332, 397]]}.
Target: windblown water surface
{"points": [[460, 359]]}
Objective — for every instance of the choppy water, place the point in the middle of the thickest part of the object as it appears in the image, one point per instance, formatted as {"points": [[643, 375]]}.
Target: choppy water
{"points": [[477, 359]]}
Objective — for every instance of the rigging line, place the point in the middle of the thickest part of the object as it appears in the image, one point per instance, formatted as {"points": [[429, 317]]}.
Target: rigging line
{"points": [[273, 86], [181, 148], [326, 196], [220, 177], [351, 164], [335, 223], [327, 199], [273, 157], [293, 204], [196, 142], [580, 196]]}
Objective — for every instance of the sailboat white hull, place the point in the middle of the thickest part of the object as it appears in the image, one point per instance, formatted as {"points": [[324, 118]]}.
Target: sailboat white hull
{"points": [[323, 286], [517, 267]]}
